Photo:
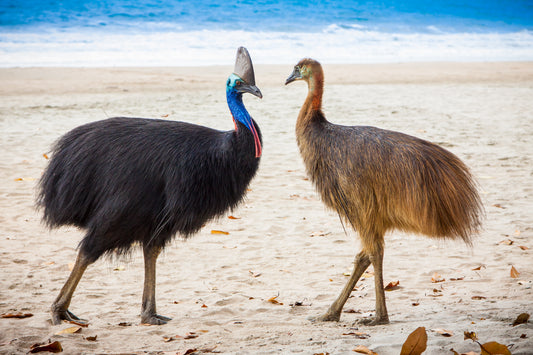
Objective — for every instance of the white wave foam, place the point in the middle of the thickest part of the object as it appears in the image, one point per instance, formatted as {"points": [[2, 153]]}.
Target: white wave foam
{"points": [[208, 47]]}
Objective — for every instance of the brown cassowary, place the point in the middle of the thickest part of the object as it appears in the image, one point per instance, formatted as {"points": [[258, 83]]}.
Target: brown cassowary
{"points": [[135, 180], [379, 180]]}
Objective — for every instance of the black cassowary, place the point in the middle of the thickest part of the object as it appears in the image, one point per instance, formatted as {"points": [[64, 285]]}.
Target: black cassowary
{"points": [[135, 180], [379, 180]]}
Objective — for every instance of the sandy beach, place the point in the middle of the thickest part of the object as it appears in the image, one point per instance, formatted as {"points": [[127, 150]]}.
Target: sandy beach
{"points": [[285, 256]]}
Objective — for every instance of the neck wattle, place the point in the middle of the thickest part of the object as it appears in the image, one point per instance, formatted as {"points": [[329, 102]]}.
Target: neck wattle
{"points": [[240, 114]]}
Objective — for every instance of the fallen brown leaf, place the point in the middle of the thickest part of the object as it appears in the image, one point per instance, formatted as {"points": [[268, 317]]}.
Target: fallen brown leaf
{"points": [[84, 325], [416, 342], [233, 217], [497, 205], [124, 324], [16, 315], [319, 234], [479, 267], [506, 242], [274, 300], [523, 247], [443, 332], [521, 319], [91, 338], [437, 278], [54, 347], [470, 335], [479, 297], [493, 348], [514, 272], [393, 285], [69, 330], [364, 350], [358, 335], [214, 231], [46, 156], [460, 278]]}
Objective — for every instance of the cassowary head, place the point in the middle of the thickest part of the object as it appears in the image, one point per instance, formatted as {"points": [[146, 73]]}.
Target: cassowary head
{"points": [[240, 81], [305, 70]]}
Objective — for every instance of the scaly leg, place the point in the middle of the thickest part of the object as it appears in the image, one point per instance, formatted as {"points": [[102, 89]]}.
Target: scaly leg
{"points": [[381, 307], [60, 306], [148, 311], [362, 261]]}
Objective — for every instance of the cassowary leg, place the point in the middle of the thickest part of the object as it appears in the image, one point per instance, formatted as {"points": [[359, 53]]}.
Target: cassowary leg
{"points": [[362, 261], [381, 308], [60, 306], [148, 311]]}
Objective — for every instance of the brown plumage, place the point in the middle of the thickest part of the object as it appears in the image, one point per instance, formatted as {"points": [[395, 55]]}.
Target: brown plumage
{"points": [[379, 180]]}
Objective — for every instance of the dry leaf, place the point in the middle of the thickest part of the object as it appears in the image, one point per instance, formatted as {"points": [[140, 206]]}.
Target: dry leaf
{"points": [[367, 274], [214, 231], [514, 272], [416, 342], [54, 347], [326, 353], [358, 335], [437, 278], [80, 323], [164, 115], [273, 300], [479, 297], [16, 315], [70, 330], [319, 234], [523, 247], [479, 267], [124, 324], [393, 285], [443, 332], [506, 242], [45, 156], [204, 305], [498, 206], [521, 319], [460, 278], [254, 274], [493, 348], [93, 338], [364, 350], [415, 304], [470, 335], [233, 217]]}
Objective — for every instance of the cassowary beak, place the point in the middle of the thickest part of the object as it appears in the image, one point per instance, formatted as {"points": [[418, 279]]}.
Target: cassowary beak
{"points": [[251, 89], [296, 75]]}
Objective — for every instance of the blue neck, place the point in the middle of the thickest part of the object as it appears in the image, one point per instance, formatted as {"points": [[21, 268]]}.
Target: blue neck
{"points": [[237, 109]]}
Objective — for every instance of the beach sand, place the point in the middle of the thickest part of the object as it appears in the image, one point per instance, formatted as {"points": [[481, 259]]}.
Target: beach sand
{"points": [[284, 242]]}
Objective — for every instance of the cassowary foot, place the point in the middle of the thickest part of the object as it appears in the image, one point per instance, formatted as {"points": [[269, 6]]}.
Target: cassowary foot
{"points": [[60, 315], [155, 319], [328, 317], [373, 321]]}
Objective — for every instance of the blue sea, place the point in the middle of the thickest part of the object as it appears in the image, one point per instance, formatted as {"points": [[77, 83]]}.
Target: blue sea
{"points": [[181, 33]]}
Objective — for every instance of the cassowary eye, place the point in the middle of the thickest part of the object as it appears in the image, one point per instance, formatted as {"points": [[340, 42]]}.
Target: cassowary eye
{"points": [[238, 83]]}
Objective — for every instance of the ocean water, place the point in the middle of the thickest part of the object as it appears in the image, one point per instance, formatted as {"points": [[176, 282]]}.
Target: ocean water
{"points": [[169, 33]]}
